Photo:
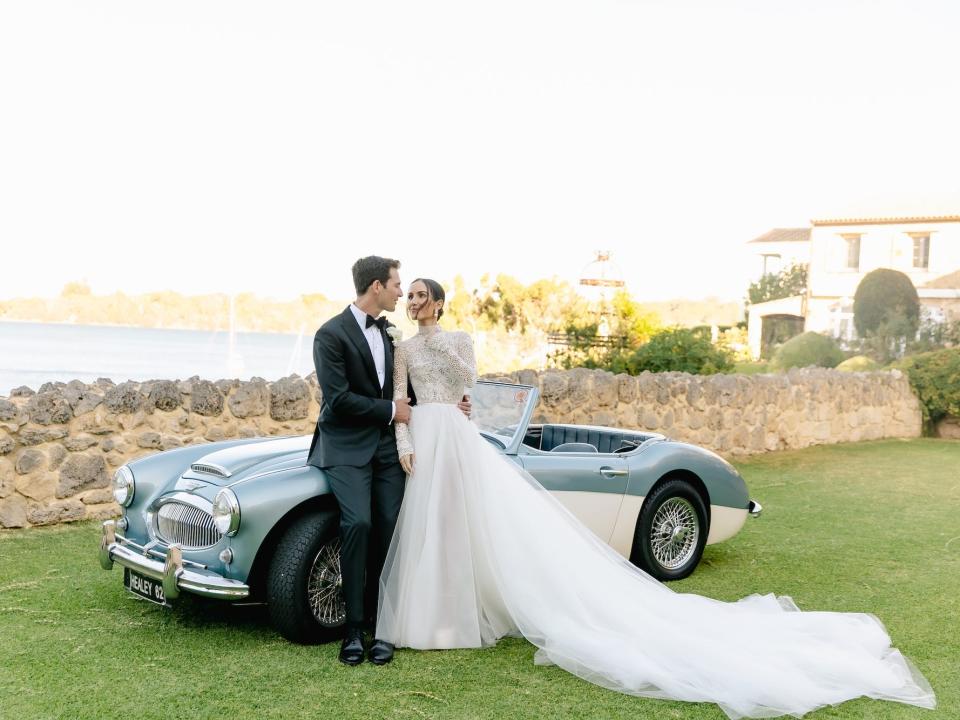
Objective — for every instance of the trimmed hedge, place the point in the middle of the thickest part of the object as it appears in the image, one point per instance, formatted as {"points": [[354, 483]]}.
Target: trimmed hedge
{"points": [[858, 363], [886, 296], [807, 349]]}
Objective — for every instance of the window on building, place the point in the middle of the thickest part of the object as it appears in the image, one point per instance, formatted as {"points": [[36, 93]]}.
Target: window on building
{"points": [[921, 252], [851, 257]]}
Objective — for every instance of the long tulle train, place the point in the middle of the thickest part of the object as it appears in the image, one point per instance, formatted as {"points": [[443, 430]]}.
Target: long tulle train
{"points": [[482, 550]]}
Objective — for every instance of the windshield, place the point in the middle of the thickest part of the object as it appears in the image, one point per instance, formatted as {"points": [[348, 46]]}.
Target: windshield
{"points": [[498, 409]]}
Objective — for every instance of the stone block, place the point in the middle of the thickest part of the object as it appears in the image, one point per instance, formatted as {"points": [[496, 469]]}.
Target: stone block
{"points": [[13, 512], [206, 398], [250, 399], [149, 440], [103, 512], [164, 395], [82, 471], [7, 478], [80, 443], [96, 497], [49, 408], [124, 399], [215, 434], [29, 460], [56, 512]]}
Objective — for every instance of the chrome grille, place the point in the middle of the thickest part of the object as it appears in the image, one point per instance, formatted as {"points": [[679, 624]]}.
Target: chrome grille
{"points": [[186, 525]]}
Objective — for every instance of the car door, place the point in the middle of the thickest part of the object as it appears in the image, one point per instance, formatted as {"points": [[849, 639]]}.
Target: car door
{"points": [[590, 485]]}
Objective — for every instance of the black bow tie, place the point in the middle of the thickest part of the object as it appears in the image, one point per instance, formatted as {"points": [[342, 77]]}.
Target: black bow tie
{"points": [[380, 322]]}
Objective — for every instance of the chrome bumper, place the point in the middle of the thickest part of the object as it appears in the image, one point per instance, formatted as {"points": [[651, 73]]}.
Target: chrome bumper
{"points": [[754, 508], [170, 570]]}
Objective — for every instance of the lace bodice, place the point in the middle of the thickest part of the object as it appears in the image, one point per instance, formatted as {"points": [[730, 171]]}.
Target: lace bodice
{"points": [[440, 366]]}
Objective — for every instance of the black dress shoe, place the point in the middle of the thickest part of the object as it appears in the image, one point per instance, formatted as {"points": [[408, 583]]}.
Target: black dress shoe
{"points": [[351, 649], [381, 652]]}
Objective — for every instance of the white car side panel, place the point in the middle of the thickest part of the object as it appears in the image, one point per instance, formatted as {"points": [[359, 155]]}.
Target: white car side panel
{"points": [[622, 538], [725, 522], [597, 511]]}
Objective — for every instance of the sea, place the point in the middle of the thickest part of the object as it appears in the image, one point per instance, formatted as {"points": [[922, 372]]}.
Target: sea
{"points": [[34, 353]]}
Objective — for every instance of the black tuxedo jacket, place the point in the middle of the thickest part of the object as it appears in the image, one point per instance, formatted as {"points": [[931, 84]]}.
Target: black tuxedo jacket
{"points": [[354, 410]]}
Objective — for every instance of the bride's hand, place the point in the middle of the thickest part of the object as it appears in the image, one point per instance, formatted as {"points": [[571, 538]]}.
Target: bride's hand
{"points": [[406, 462]]}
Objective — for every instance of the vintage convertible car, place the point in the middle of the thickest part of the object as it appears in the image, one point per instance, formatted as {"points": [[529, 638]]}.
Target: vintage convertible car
{"points": [[249, 520]]}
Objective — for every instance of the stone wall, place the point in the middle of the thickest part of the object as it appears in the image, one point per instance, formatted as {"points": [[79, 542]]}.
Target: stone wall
{"points": [[60, 446], [736, 414]]}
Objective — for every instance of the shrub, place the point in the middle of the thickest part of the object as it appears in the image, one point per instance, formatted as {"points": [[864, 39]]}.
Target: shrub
{"points": [[773, 286], [810, 348], [886, 296], [751, 368], [676, 349], [935, 377], [858, 363]]}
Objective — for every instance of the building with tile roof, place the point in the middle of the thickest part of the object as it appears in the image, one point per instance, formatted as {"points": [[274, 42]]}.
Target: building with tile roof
{"points": [[841, 250]]}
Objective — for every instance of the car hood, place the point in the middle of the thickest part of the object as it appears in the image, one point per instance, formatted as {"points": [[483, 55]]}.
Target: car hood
{"points": [[227, 466]]}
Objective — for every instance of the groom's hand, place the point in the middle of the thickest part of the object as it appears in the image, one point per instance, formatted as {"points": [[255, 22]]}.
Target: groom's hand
{"points": [[465, 406], [403, 410]]}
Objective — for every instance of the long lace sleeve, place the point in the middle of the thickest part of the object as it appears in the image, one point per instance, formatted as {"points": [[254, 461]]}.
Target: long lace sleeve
{"points": [[458, 347], [404, 443]]}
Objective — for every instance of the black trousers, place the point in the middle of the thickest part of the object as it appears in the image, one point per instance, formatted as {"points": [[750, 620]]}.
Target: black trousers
{"points": [[370, 497]]}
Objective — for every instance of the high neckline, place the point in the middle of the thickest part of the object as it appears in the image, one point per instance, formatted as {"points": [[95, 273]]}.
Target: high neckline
{"points": [[428, 330]]}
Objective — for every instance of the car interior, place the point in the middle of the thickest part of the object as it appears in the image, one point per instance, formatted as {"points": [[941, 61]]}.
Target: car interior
{"points": [[579, 439]]}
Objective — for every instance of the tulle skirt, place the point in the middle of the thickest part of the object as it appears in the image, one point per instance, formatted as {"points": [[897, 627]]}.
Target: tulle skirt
{"points": [[482, 550]]}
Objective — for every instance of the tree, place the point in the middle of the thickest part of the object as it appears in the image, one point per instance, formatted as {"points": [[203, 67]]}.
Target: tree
{"points": [[886, 313], [886, 296], [775, 286], [77, 288]]}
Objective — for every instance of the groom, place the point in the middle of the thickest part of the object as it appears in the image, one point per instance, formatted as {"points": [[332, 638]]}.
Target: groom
{"points": [[354, 442]]}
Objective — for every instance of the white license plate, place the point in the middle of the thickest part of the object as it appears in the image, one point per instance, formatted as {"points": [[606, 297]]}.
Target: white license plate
{"points": [[142, 586]]}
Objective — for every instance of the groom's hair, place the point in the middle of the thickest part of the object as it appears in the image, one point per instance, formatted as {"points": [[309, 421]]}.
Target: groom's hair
{"points": [[370, 268]]}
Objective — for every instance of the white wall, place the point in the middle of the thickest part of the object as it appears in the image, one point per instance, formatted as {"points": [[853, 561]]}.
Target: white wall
{"points": [[889, 246]]}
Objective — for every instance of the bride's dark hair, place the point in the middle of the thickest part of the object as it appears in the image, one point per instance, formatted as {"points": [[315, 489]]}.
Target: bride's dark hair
{"points": [[435, 291]]}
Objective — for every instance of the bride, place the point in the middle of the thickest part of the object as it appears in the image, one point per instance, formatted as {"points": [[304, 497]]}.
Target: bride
{"points": [[481, 550]]}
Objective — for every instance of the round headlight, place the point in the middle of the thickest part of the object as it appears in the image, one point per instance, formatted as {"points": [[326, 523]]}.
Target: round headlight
{"points": [[226, 512], [123, 486]]}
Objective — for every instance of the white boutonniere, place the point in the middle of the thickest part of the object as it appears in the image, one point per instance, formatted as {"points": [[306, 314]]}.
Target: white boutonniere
{"points": [[395, 333]]}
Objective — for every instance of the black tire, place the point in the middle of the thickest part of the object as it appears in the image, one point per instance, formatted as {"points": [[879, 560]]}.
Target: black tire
{"points": [[672, 549], [311, 545]]}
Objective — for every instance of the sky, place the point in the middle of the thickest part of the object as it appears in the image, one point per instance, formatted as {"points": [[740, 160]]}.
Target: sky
{"points": [[247, 146]]}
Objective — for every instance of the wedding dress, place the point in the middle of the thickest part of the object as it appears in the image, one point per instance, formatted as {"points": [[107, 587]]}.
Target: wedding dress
{"points": [[482, 550]]}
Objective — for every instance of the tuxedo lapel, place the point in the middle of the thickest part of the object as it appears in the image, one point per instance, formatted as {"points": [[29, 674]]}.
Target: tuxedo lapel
{"points": [[388, 363], [352, 329]]}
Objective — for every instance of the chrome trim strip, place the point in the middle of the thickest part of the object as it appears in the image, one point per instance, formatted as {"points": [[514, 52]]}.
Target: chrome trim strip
{"points": [[608, 471], [210, 469], [170, 572], [186, 499], [148, 550]]}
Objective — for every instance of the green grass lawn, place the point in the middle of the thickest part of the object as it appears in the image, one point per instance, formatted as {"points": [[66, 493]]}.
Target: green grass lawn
{"points": [[864, 527]]}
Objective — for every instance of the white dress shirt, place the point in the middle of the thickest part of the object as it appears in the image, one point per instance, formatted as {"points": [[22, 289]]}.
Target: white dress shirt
{"points": [[375, 341]]}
